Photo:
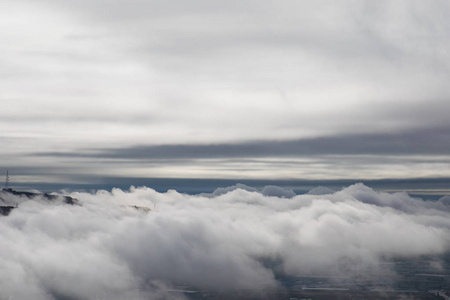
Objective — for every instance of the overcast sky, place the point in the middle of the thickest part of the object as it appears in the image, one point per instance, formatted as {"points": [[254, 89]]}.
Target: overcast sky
{"points": [[224, 89]]}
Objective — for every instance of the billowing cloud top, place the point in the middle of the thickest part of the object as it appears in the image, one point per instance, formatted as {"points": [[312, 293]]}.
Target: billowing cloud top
{"points": [[141, 244]]}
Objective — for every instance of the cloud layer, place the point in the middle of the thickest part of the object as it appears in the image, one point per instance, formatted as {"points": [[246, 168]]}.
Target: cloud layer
{"points": [[78, 75], [111, 247]]}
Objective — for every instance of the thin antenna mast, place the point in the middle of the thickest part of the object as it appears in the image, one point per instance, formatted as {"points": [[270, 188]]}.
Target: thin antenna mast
{"points": [[7, 180]]}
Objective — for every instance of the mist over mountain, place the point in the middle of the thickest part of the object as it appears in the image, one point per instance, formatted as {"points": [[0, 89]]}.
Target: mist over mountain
{"points": [[142, 244]]}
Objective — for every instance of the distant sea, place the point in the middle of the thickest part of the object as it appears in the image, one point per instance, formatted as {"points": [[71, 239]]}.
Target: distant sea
{"points": [[425, 188]]}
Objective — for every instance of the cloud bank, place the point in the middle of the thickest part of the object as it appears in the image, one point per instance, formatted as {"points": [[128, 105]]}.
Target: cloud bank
{"points": [[406, 154], [141, 244]]}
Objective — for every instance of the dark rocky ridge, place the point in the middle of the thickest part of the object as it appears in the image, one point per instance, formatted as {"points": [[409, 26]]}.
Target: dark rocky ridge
{"points": [[6, 209]]}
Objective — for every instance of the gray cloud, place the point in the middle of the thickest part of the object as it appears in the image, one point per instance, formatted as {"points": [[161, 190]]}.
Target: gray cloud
{"points": [[213, 80], [105, 248], [421, 142], [408, 154]]}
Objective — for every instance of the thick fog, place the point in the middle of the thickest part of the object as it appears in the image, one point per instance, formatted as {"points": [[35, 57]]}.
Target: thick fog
{"points": [[141, 244]]}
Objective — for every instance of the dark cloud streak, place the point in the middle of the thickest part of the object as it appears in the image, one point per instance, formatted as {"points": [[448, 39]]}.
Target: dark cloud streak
{"points": [[421, 142]]}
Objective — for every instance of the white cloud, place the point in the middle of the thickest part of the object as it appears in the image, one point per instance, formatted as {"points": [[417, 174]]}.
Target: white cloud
{"points": [[240, 239]]}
